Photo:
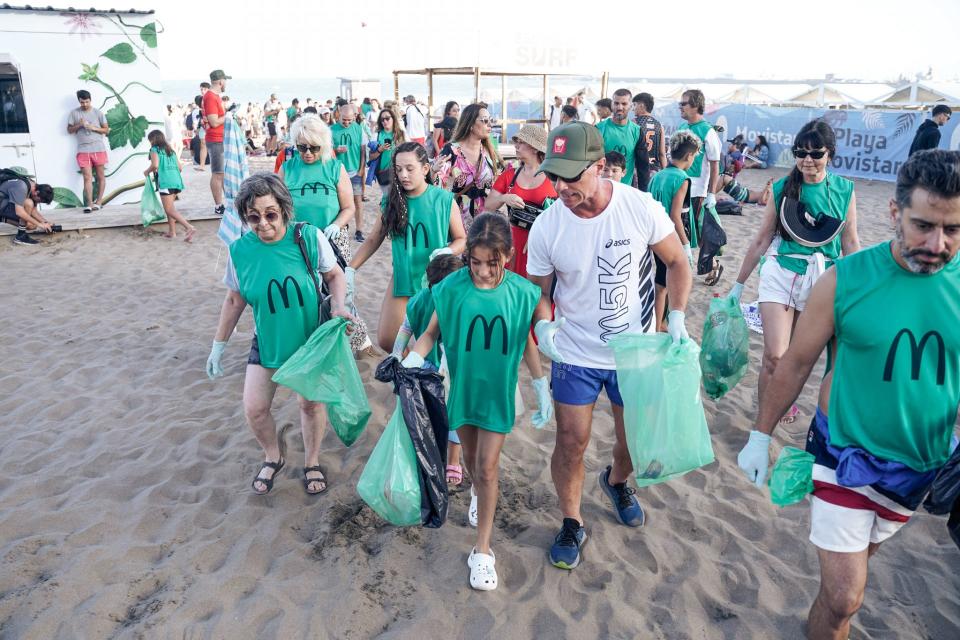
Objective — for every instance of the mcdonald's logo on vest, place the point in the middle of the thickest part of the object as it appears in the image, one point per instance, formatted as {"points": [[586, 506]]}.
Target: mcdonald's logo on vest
{"points": [[284, 294], [916, 355], [488, 332], [314, 187], [411, 238]]}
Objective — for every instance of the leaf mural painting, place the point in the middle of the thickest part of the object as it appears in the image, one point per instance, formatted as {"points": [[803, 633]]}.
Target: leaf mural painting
{"points": [[149, 35], [904, 124], [125, 128], [65, 198], [122, 53]]}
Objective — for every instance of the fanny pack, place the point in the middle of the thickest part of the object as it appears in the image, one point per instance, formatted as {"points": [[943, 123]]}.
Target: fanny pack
{"points": [[523, 218]]}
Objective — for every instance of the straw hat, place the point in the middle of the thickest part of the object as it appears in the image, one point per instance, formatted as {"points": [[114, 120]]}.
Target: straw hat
{"points": [[533, 135]]}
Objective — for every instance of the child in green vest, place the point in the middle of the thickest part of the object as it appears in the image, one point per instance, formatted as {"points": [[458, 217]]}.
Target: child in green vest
{"points": [[484, 314], [165, 167]]}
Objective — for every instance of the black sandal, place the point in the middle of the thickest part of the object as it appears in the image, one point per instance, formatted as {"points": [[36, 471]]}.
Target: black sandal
{"points": [[307, 481], [714, 276], [267, 482]]}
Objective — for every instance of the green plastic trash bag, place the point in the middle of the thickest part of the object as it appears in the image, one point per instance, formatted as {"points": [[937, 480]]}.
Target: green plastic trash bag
{"points": [[792, 477], [666, 428], [323, 370], [725, 346], [151, 209], [390, 483]]}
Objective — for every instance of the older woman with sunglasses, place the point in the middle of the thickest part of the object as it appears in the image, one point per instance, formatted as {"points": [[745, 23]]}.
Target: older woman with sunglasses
{"points": [[267, 270], [808, 223]]}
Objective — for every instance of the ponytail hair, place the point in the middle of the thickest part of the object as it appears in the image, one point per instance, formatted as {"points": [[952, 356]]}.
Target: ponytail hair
{"points": [[395, 213], [157, 139]]}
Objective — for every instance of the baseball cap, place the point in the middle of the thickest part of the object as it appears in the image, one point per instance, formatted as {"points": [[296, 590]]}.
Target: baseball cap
{"points": [[737, 139], [324, 110], [571, 148], [218, 74]]}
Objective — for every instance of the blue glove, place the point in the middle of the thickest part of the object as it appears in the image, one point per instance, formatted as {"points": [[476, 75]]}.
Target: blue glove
{"points": [[736, 291], [546, 331], [214, 368], [413, 360], [754, 458], [544, 402], [441, 252], [332, 231], [676, 327]]}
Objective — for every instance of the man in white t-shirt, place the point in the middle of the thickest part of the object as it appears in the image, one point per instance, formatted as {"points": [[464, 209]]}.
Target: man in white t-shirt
{"points": [[556, 110], [598, 241], [414, 121], [585, 112]]}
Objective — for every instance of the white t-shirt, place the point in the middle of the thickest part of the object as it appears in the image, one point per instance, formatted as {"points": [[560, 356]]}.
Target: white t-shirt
{"points": [[698, 186], [604, 270], [413, 122], [586, 113], [555, 116]]}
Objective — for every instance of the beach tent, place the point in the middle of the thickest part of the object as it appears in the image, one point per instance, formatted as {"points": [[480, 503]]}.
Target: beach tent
{"points": [[747, 94], [921, 94], [822, 95]]}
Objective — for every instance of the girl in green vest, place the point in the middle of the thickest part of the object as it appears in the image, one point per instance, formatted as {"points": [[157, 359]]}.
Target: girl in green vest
{"points": [[791, 265], [484, 315], [165, 168], [422, 220], [389, 137]]}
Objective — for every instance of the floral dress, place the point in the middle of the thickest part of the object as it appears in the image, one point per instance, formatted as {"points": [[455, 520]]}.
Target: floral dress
{"points": [[469, 182]]}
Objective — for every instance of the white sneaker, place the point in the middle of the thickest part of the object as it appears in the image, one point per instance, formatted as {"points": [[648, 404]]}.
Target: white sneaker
{"points": [[472, 513], [483, 572]]}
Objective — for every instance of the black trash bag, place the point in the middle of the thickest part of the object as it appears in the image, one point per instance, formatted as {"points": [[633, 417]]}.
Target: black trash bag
{"points": [[712, 238], [729, 208], [953, 524], [945, 489], [424, 410]]}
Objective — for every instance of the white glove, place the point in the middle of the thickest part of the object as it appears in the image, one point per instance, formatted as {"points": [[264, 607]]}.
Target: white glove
{"points": [[755, 457], [351, 274], [413, 361], [736, 291], [332, 231], [687, 250], [442, 251], [676, 327], [710, 200], [544, 402], [546, 331], [214, 368]]}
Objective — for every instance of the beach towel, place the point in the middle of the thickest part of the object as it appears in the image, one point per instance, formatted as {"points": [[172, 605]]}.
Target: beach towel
{"points": [[235, 171]]}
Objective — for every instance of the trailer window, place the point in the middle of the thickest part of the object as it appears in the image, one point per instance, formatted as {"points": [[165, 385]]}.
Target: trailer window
{"points": [[13, 113]]}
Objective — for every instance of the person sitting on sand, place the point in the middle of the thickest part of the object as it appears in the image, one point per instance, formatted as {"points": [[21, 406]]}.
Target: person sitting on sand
{"points": [[759, 156], [266, 269], [165, 169], [793, 264], [892, 406], [742, 194]]}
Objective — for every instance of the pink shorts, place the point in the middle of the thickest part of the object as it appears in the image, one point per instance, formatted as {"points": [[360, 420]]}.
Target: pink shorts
{"points": [[95, 159]]}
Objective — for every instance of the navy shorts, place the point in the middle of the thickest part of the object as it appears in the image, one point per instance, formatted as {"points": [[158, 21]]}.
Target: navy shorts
{"points": [[581, 385]]}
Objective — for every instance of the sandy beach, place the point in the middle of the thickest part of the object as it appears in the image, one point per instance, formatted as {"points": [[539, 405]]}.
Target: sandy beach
{"points": [[126, 509]]}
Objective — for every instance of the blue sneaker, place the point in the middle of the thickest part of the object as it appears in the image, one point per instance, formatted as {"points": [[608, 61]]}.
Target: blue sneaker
{"points": [[565, 552], [628, 508]]}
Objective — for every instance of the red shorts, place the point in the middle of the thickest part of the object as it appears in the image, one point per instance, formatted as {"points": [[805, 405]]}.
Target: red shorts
{"points": [[95, 159]]}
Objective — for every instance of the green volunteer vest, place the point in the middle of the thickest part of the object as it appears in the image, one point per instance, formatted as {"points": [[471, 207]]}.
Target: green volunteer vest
{"points": [[484, 333], [621, 138], [818, 198], [314, 189], [700, 130], [420, 310], [168, 173], [274, 280], [352, 138], [896, 382], [428, 229], [386, 157], [665, 184]]}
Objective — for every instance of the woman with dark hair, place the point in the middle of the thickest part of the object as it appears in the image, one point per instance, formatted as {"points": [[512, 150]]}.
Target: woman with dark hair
{"points": [[165, 168], [284, 315], [808, 223], [389, 135], [422, 221], [759, 156], [469, 165], [443, 131]]}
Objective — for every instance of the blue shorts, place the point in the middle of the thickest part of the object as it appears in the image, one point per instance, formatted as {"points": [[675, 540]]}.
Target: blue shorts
{"points": [[357, 184], [581, 385]]}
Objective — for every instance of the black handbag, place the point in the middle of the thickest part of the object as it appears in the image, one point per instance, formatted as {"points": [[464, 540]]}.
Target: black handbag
{"points": [[323, 294], [522, 218]]}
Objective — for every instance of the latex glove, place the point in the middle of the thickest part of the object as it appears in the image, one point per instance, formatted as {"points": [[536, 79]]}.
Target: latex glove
{"points": [[546, 331], [351, 274], [214, 368], [710, 200], [736, 291], [755, 457], [413, 360], [687, 250], [544, 402], [676, 327], [332, 231], [442, 251]]}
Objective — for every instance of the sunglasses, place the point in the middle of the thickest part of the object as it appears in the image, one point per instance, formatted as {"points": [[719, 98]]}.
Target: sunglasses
{"points": [[685, 104], [552, 177], [303, 148], [800, 154], [253, 219]]}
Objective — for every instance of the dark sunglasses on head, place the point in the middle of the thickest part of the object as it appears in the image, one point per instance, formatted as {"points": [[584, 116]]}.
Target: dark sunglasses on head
{"points": [[800, 154], [253, 219], [303, 148], [552, 177]]}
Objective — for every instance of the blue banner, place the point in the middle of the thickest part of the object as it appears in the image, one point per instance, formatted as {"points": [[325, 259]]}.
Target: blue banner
{"points": [[871, 143]]}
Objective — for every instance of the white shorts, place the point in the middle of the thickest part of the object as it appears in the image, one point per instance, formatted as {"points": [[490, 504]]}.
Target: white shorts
{"points": [[784, 286], [847, 530]]}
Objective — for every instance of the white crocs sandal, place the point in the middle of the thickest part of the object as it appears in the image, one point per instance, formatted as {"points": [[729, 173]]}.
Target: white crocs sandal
{"points": [[472, 513], [483, 573]]}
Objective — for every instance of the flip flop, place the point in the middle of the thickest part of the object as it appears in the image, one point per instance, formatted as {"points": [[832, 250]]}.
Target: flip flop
{"points": [[267, 482], [454, 474], [714, 277], [308, 481], [790, 416]]}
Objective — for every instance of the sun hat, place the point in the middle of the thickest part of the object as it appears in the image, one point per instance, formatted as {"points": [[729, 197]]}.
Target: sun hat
{"points": [[533, 135], [571, 148], [808, 230]]}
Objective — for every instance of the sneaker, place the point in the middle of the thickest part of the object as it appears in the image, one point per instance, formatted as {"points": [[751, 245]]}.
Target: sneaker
{"points": [[565, 552], [628, 508], [358, 236], [23, 237], [88, 209], [219, 209]]}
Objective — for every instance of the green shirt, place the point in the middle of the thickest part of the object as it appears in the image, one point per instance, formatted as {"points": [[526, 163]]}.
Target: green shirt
{"points": [[831, 196], [420, 310], [896, 381], [484, 334], [699, 129], [665, 184], [291, 111], [428, 229], [386, 157], [314, 189], [352, 138], [622, 138], [274, 280], [168, 172]]}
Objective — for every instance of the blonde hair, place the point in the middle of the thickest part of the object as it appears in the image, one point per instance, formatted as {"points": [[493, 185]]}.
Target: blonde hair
{"points": [[683, 142], [312, 130]]}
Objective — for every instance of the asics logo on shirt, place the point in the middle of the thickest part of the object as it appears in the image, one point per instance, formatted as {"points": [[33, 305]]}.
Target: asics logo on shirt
{"points": [[617, 243], [488, 328], [284, 294], [916, 355]]}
